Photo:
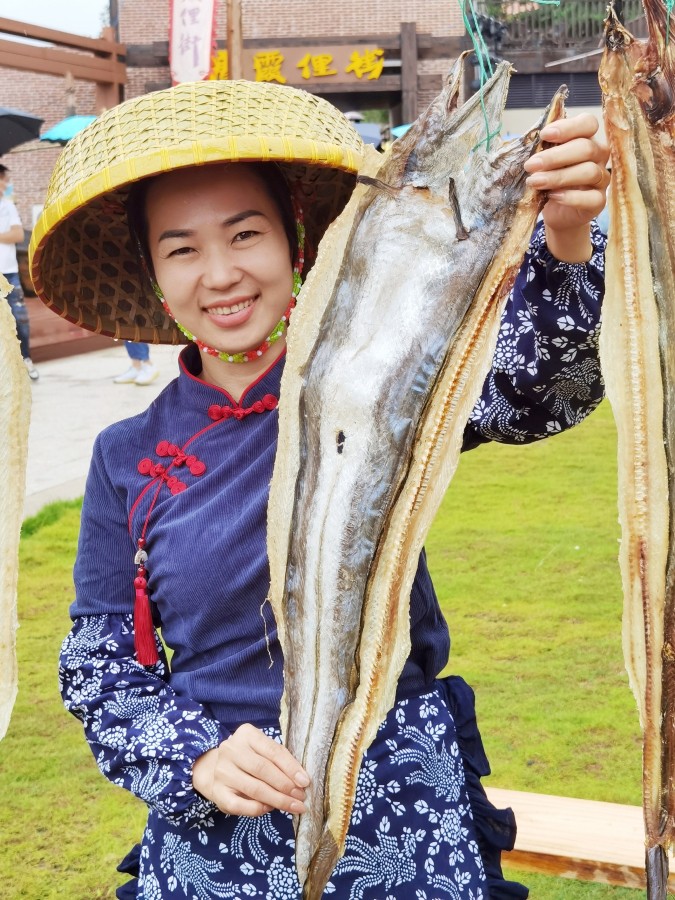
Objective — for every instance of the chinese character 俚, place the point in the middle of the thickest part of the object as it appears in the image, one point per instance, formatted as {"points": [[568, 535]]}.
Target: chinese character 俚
{"points": [[268, 66], [370, 62], [219, 66], [317, 66], [193, 14]]}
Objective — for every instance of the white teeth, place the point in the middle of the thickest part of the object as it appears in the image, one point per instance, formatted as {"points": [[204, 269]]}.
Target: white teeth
{"points": [[228, 310]]}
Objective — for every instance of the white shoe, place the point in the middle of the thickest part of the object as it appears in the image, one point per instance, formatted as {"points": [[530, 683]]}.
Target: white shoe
{"points": [[128, 377], [147, 374], [33, 373]]}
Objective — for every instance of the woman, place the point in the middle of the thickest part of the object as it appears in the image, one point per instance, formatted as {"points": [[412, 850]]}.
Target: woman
{"points": [[174, 518]]}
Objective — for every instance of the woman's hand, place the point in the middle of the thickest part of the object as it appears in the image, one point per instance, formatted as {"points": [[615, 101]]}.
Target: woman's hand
{"points": [[249, 774], [574, 174]]}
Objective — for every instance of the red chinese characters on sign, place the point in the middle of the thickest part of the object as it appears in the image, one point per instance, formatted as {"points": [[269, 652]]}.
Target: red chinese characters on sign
{"points": [[191, 38]]}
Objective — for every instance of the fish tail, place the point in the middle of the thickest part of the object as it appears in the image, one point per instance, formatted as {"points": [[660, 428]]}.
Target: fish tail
{"points": [[656, 864]]}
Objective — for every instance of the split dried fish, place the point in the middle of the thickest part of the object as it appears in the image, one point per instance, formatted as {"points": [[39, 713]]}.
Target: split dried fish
{"points": [[15, 401], [638, 361], [392, 339]]}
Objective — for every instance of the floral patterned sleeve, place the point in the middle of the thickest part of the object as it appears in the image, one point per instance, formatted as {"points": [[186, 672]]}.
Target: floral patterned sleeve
{"points": [[545, 374], [143, 737]]}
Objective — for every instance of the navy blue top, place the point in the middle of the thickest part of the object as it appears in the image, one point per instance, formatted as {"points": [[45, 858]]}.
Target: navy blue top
{"points": [[206, 539]]}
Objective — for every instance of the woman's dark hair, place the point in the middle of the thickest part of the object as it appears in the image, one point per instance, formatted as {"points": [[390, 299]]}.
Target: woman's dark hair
{"points": [[269, 173]]}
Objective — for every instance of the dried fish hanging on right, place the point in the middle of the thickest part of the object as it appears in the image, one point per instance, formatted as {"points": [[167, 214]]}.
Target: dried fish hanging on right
{"points": [[638, 360]]}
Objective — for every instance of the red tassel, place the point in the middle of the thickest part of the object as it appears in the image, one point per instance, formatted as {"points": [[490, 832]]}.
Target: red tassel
{"points": [[144, 630]]}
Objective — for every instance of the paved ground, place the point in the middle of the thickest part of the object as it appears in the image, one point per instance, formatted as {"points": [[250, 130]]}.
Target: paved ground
{"points": [[72, 401]]}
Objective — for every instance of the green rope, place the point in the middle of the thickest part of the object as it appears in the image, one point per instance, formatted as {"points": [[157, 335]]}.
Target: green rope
{"points": [[470, 18], [669, 10]]}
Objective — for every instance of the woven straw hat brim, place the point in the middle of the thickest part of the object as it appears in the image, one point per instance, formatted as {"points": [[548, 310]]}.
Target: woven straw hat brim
{"points": [[82, 260]]}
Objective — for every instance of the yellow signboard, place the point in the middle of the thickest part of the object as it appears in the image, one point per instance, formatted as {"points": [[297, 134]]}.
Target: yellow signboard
{"points": [[299, 65]]}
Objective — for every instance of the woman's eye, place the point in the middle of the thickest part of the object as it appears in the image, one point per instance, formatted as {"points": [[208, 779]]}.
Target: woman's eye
{"points": [[181, 251], [245, 235]]}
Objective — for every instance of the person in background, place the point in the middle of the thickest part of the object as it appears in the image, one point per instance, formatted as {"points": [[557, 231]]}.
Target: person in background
{"points": [[11, 234], [141, 371]]}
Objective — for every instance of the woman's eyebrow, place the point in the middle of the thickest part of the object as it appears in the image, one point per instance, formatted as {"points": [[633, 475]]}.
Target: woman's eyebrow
{"points": [[187, 232], [174, 233], [239, 217]]}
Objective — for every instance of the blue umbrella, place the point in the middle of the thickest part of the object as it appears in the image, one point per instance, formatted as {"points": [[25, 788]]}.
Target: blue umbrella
{"points": [[66, 129], [399, 130]]}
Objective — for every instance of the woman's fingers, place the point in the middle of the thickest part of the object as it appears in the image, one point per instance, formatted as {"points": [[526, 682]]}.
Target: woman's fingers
{"points": [[583, 125], [585, 174], [249, 774], [264, 758]]}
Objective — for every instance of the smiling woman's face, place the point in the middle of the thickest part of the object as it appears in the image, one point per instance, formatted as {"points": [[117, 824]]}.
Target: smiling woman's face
{"points": [[220, 254]]}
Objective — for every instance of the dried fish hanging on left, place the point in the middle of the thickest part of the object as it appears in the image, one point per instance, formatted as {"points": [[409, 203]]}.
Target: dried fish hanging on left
{"points": [[638, 361], [406, 296], [15, 402]]}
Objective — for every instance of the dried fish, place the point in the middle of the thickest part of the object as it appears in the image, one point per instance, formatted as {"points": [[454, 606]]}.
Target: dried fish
{"points": [[392, 339], [15, 401], [638, 361]]}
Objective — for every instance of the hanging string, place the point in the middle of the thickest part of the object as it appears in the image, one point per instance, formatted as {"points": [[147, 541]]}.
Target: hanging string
{"points": [[483, 60], [669, 11]]}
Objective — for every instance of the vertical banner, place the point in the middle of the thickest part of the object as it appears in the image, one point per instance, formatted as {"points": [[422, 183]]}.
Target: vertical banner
{"points": [[191, 39]]}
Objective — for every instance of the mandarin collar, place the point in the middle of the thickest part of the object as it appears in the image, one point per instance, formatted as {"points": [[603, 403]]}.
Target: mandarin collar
{"points": [[194, 391]]}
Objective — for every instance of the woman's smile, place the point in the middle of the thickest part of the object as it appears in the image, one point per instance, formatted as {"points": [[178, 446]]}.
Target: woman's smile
{"points": [[230, 315]]}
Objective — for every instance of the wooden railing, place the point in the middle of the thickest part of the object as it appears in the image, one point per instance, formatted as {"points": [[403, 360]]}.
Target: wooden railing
{"points": [[571, 24]]}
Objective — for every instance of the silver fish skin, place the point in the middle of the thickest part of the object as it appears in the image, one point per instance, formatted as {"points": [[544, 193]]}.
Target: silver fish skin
{"points": [[425, 232]]}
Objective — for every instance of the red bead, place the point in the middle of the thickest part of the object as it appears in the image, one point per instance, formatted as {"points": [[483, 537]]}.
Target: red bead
{"points": [[197, 468], [162, 448], [144, 466], [140, 582], [270, 401], [141, 543], [215, 412]]}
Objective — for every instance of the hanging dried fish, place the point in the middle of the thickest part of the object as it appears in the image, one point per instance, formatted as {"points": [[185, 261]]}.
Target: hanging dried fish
{"points": [[15, 400], [393, 338], [638, 362]]}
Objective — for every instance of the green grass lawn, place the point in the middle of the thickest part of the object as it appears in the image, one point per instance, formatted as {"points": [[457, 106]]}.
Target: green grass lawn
{"points": [[523, 554]]}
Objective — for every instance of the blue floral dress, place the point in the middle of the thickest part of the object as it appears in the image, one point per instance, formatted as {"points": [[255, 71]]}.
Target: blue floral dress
{"points": [[191, 474]]}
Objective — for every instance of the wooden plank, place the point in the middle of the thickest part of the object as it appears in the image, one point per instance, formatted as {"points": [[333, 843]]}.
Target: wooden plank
{"points": [[444, 47], [63, 38], [58, 62], [409, 71], [584, 839]]}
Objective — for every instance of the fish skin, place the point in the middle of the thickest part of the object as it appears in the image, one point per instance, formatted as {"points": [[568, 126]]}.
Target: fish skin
{"points": [[637, 349], [15, 403], [376, 450]]}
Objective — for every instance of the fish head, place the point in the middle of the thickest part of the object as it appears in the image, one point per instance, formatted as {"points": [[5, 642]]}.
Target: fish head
{"points": [[644, 68], [455, 149]]}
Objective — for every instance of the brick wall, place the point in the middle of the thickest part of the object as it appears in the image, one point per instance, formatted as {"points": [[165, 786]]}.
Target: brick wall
{"points": [[31, 164]]}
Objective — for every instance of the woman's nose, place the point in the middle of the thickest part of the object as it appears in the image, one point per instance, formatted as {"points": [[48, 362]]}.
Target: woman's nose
{"points": [[220, 269]]}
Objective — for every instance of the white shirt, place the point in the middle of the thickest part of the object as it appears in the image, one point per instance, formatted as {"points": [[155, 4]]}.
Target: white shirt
{"points": [[8, 217]]}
